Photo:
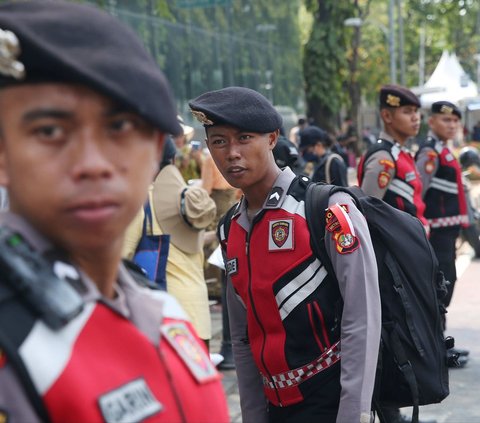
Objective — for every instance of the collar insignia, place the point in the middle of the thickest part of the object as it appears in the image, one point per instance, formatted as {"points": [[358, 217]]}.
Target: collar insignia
{"points": [[9, 52], [201, 117], [393, 100]]}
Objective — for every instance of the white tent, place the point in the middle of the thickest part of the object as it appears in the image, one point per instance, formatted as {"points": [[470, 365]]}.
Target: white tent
{"points": [[448, 82]]}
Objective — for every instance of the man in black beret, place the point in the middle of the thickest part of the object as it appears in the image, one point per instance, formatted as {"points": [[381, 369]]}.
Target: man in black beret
{"points": [[443, 192], [275, 281], [84, 111], [328, 167]]}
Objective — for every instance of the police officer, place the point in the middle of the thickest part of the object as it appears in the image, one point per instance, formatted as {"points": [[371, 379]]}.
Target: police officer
{"points": [[387, 170], [329, 167], [446, 207], [286, 324], [83, 114]]}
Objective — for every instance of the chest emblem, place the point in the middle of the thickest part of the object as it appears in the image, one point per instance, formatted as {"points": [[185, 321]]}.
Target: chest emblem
{"points": [[281, 235]]}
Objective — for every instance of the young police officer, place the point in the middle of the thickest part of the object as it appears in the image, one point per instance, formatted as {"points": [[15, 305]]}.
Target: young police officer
{"points": [[387, 170], [83, 114], [298, 357], [446, 207]]}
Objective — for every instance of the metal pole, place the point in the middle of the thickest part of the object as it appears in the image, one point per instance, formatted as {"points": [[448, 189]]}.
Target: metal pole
{"points": [[391, 43], [401, 52], [421, 57]]}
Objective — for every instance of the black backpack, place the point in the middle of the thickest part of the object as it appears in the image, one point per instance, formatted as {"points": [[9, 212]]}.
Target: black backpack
{"points": [[412, 367]]}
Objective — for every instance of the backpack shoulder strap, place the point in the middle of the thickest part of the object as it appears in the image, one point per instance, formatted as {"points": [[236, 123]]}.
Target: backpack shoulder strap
{"points": [[330, 159], [223, 227]]}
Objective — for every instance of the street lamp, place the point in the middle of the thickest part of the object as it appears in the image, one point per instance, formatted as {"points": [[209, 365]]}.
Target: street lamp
{"points": [[389, 35]]}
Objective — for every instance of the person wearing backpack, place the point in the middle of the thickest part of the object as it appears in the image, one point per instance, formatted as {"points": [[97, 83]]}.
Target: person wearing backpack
{"points": [[305, 346], [446, 206], [329, 167], [387, 169]]}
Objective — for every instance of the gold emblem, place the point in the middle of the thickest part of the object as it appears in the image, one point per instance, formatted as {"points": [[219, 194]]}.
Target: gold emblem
{"points": [[9, 52], [393, 100], [201, 117], [446, 109]]}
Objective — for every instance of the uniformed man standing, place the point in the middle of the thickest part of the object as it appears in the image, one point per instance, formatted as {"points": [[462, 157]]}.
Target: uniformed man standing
{"points": [[446, 207], [83, 114], [298, 357]]}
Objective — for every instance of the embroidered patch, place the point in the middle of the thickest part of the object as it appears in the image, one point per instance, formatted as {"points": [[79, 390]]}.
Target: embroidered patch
{"points": [[201, 117], [231, 267], [383, 179], [343, 233], [9, 53], [281, 235], [410, 176], [3, 361], [447, 110], [393, 100], [189, 350], [429, 166], [132, 402], [387, 164], [274, 197]]}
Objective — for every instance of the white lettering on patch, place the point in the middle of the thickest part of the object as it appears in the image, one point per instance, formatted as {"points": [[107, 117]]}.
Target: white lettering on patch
{"points": [[132, 402]]}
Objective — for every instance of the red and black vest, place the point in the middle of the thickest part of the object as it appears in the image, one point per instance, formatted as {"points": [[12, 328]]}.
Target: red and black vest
{"points": [[293, 306], [405, 190], [445, 197]]}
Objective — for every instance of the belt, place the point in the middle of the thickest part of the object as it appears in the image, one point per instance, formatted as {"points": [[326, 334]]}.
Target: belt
{"points": [[301, 374]]}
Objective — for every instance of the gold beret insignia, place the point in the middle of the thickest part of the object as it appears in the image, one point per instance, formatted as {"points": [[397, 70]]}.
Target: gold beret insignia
{"points": [[9, 52], [446, 109], [201, 117], [393, 100]]}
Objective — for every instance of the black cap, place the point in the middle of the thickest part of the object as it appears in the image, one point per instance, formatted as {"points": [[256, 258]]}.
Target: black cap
{"points": [[240, 107], [59, 41], [446, 108], [397, 96], [312, 135]]}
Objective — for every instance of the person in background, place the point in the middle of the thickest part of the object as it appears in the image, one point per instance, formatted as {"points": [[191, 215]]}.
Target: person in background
{"points": [[329, 167], [286, 154], [282, 303], [445, 200], [294, 134], [81, 338], [188, 159]]}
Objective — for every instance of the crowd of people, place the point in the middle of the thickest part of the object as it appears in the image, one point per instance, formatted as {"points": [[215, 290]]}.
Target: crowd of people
{"points": [[94, 159]]}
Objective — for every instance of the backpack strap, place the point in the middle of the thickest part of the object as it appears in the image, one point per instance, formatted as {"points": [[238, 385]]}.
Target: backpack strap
{"points": [[223, 227], [12, 309], [328, 165], [147, 220]]}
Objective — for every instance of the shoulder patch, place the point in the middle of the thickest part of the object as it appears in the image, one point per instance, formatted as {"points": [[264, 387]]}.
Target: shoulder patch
{"points": [[429, 166], [383, 179], [343, 233], [387, 164]]}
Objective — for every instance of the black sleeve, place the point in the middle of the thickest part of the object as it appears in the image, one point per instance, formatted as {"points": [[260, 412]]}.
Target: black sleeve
{"points": [[338, 172]]}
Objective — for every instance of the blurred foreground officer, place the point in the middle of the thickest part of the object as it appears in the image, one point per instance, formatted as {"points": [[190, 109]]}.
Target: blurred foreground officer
{"points": [[446, 206], [81, 137], [387, 170], [285, 310]]}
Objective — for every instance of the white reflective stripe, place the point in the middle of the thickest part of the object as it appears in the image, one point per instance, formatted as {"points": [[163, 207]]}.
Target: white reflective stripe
{"points": [[445, 186], [442, 222], [307, 289], [293, 206], [46, 352], [402, 189]]}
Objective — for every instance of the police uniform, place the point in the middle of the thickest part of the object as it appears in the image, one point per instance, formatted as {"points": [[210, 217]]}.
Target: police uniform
{"points": [[387, 170], [297, 356], [135, 357]]}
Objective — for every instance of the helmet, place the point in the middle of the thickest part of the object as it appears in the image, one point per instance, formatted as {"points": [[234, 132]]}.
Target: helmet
{"points": [[469, 156]]}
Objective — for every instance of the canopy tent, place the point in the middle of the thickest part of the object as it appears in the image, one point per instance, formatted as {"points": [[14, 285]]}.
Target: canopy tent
{"points": [[448, 82]]}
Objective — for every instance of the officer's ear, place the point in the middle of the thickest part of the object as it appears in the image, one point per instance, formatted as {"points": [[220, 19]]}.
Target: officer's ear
{"points": [[273, 138], [387, 115]]}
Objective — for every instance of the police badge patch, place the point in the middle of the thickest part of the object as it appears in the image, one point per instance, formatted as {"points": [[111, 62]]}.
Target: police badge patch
{"points": [[340, 225], [281, 235], [383, 179]]}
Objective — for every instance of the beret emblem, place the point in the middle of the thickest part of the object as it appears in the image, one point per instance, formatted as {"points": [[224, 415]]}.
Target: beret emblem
{"points": [[201, 117], [393, 100], [9, 52], [446, 109]]}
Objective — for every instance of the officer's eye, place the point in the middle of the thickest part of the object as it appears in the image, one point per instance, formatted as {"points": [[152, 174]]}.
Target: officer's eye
{"points": [[245, 137], [48, 132], [217, 142], [122, 124]]}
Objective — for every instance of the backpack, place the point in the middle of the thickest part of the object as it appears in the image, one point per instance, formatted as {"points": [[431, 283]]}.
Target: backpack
{"points": [[412, 366]]}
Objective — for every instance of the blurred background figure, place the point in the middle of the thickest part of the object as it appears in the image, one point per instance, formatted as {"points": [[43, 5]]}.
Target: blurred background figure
{"points": [[294, 135], [286, 154], [189, 153]]}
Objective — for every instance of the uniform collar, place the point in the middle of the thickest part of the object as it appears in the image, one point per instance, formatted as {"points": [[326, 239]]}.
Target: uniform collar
{"points": [[439, 144]]}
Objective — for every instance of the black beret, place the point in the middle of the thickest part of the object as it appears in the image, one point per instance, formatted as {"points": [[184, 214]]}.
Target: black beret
{"points": [[311, 135], [446, 108], [59, 41], [240, 107], [397, 96]]}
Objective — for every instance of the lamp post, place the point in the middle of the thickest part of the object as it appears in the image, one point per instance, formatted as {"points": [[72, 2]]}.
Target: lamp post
{"points": [[389, 35]]}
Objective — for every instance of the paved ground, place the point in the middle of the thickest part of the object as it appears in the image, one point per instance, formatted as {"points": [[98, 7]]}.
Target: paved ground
{"points": [[463, 404]]}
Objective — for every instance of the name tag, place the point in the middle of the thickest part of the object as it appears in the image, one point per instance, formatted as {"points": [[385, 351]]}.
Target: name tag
{"points": [[132, 402], [410, 176]]}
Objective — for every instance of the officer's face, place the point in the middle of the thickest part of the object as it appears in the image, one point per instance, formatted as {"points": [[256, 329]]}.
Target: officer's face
{"points": [[444, 126], [245, 159], [76, 164], [403, 122]]}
